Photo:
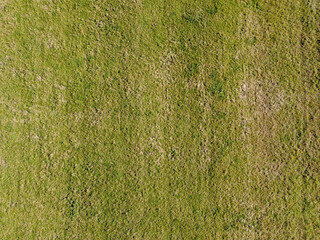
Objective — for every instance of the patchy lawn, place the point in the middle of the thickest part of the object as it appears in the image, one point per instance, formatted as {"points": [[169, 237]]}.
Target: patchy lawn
{"points": [[145, 119]]}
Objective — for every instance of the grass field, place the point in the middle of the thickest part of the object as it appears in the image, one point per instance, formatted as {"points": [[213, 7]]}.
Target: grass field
{"points": [[156, 119]]}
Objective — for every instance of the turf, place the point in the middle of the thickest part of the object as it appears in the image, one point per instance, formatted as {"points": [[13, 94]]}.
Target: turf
{"points": [[156, 119]]}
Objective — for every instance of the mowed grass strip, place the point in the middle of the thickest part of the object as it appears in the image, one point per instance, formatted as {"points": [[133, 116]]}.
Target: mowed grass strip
{"points": [[159, 119]]}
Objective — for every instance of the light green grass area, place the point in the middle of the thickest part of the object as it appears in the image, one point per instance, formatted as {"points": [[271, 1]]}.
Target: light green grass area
{"points": [[156, 119]]}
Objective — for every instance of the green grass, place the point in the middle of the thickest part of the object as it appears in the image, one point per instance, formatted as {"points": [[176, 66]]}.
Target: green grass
{"points": [[145, 119]]}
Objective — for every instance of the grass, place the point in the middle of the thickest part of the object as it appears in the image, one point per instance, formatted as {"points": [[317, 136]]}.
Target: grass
{"points": [[163, 119]]}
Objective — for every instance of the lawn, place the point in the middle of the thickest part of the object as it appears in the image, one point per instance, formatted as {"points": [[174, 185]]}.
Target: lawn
{"points": [[157, 119]]}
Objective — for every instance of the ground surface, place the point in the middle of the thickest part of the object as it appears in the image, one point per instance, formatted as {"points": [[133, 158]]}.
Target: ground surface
{"points": [[155, 119]]}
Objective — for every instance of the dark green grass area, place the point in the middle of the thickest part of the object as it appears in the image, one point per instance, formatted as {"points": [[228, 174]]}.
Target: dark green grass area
{"points": [[144, 119]]}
